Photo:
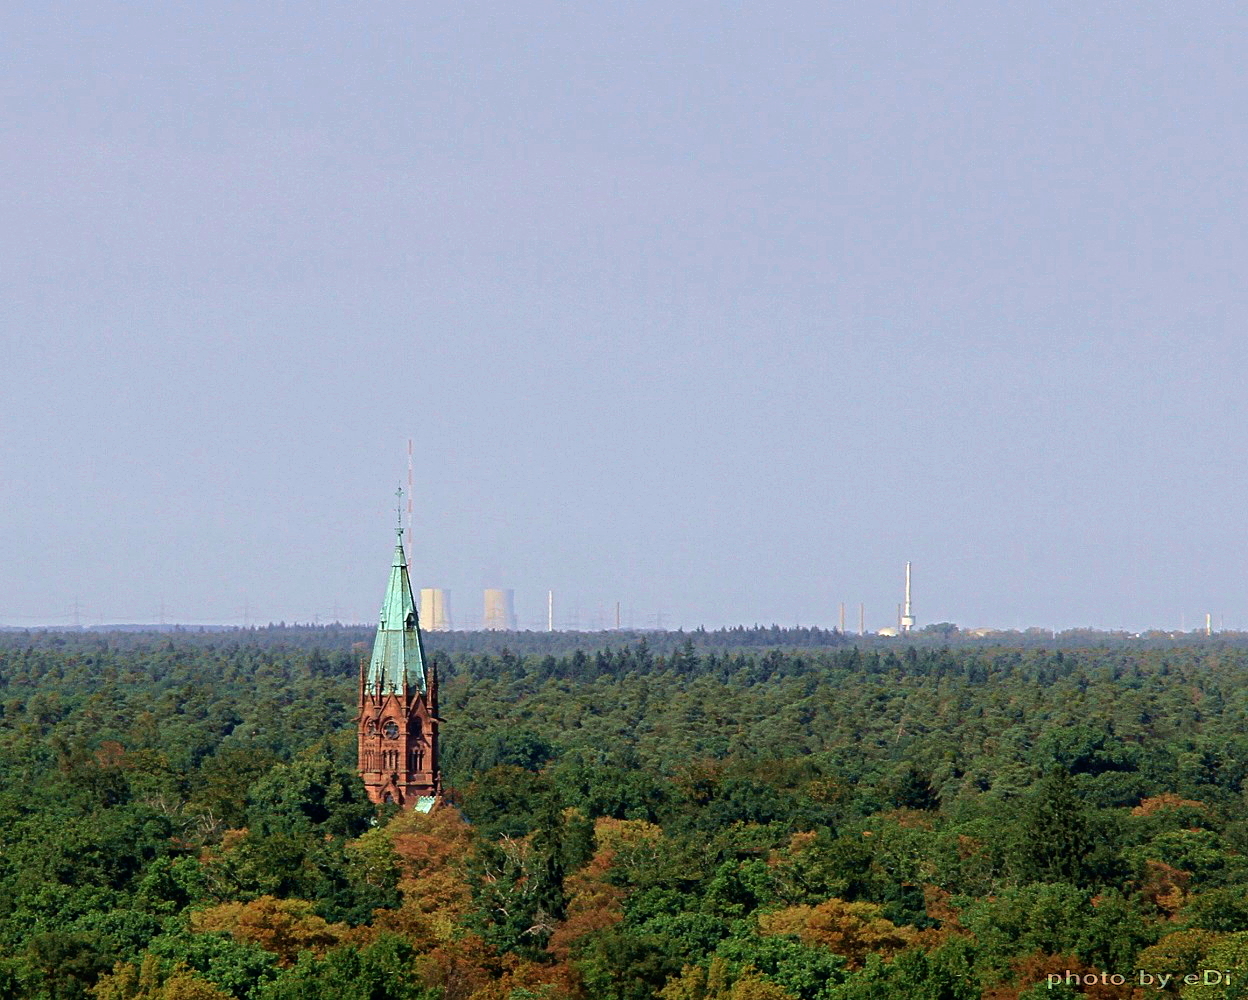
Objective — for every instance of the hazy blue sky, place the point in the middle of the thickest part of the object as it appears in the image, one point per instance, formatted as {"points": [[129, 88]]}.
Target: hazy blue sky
{"points": [[722, 311]]}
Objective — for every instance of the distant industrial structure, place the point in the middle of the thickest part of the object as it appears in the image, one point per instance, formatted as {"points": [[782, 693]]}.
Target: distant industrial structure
{"points": [[499, 613], [906, 621], [500, 610], [435, 609]]}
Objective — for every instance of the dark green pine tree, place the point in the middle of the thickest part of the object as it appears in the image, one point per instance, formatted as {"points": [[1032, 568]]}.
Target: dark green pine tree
{"points": [[1057, 833], [548, 851], [914, 790]]}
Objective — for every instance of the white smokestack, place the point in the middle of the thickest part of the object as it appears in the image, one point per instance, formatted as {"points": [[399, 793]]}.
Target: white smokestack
{"points": [[907, 616]]}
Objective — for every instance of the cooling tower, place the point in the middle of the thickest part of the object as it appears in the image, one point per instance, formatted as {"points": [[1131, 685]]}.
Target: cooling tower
{"points": [[435, 609], [500, 610]]}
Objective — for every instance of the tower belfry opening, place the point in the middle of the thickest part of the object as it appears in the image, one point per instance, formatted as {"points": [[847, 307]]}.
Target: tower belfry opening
{"points": [[398, 722]]}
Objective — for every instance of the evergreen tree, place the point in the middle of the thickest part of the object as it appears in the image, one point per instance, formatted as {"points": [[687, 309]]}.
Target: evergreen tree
{"points": [[1057, 835]]}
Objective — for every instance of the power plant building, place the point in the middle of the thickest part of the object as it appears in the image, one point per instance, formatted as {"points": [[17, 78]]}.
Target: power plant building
{"points": [[435, 609], [500, 610]]}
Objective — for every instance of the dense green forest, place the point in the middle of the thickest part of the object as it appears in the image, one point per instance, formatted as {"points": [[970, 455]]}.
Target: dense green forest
{"points": [[753, 814]]}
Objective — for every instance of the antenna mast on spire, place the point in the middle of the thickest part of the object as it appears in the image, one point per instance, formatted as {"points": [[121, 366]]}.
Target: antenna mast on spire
{"points": [[411, 492]]}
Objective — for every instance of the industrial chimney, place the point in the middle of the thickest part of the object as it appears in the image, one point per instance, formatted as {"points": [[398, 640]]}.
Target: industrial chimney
{"points": [[907, 616]]}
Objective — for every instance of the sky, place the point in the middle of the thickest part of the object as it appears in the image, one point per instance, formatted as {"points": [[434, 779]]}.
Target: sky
{"points": [[720, 311]]}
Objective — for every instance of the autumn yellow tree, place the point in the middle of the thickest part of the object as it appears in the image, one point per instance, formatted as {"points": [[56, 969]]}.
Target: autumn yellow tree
{"points": [[854, 930], [717, 983], [150, 981], [284, 927]]}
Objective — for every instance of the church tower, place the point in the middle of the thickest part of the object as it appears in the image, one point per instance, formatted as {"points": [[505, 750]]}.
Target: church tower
{"points": [[398, 721]]}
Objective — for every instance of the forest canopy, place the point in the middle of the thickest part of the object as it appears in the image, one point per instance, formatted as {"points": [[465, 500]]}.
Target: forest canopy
{"points": [[753, 813]]}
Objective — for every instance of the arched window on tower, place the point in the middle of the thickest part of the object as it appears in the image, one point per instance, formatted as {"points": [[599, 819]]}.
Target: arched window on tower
{"points": [[418, 727]]}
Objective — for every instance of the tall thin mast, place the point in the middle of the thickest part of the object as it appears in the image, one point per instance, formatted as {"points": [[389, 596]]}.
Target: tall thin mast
{"points": [[411, 492], [907, 617]]}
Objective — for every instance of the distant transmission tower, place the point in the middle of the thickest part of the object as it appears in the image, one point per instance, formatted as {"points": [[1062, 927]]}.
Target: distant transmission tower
{"points": [[410, 493], [906, 619]]}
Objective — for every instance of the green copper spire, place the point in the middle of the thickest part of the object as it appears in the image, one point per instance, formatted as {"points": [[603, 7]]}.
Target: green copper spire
{"points": [[398, 659]]}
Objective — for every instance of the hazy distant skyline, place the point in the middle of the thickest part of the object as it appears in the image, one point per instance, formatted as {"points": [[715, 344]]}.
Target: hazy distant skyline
{"points": [[714, 310]]}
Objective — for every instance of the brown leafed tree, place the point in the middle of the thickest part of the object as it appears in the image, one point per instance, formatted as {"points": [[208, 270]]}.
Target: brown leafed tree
{"points": [[594, 903], [854, 930], [283, 926]]}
